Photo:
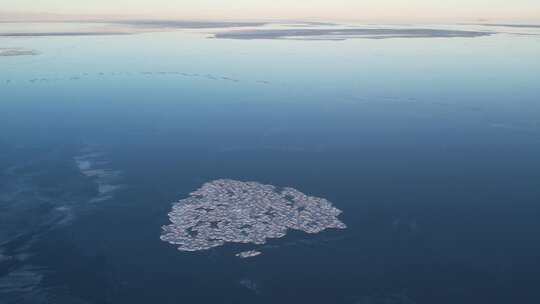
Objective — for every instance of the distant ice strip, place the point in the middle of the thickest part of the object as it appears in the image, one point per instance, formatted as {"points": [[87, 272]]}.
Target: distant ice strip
{"points": [[53, 34], [129, 27], [511, 25], [229, 211], [16, 52], [346, 33]]}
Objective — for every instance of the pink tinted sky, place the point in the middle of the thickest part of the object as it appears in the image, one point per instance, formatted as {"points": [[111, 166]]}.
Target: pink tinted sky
{"points": [[359, 10]]}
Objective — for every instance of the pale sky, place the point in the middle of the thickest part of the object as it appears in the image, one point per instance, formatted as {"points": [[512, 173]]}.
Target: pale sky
{"points": [[361, 10]]}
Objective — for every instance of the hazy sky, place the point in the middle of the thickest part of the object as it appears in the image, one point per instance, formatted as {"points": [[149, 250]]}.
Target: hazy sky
{"points": [[392, 10]]}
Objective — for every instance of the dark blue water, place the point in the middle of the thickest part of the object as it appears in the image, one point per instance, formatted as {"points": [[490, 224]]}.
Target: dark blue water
{"points": [[429, 146]]}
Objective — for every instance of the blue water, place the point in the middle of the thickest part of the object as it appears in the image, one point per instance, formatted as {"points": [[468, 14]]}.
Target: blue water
{"points": [[429, 146]]}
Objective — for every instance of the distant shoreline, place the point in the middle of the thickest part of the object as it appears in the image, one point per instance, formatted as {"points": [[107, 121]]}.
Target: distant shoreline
{"points": [[52, 34], [348, 33], [16, 52]]}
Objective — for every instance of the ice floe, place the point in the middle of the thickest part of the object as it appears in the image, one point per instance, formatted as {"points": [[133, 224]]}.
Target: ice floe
{"points": [[229, 211]]}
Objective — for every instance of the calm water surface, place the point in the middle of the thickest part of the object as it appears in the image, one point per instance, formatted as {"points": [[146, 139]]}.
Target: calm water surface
{"points": [[429, 146]]}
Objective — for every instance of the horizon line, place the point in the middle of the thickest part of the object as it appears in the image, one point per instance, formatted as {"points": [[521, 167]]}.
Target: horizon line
{"points": [[31, 16]]}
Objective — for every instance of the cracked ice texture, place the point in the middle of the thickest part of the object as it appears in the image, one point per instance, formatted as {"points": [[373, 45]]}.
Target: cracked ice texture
{"points": [[229, 211]]}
